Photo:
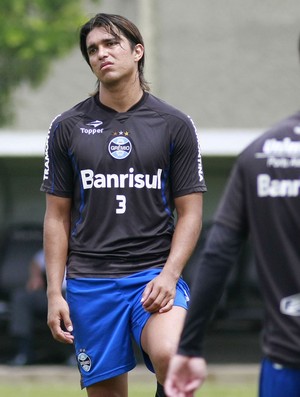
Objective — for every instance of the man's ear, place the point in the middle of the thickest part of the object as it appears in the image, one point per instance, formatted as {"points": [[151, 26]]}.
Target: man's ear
{"points": [[139, 52]]}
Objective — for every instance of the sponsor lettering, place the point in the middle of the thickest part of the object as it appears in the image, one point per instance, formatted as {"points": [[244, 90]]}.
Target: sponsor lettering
{"points": [[46, 159], [283, 162], [107, 181], [267, 187], [199, 159], [283, 148], [283, 153], [92, 131]]}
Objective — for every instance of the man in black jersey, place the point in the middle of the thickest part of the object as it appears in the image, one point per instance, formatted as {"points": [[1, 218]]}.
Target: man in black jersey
{"points": [[117, 165], [262, 199]]}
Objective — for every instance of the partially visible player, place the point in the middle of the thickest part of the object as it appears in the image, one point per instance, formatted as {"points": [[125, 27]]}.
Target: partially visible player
{"points": [[262, 199], [117, 165], [27, 303]]}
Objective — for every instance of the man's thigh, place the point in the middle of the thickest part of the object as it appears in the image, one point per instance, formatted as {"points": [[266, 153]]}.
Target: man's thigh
{"points": [[160, 335], [162, 331]]}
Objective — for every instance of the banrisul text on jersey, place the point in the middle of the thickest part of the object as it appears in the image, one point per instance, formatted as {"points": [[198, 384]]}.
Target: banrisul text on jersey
{"points": [[131, 179], [267, 187]]}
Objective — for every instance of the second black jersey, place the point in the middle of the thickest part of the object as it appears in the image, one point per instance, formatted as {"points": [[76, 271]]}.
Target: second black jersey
{"points": [[122, 171], [263, 198], [260, 199]]}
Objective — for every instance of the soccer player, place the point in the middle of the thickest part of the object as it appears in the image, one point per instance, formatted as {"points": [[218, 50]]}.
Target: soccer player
{"points": [[117, 165], [262, 199], [27, 303]]}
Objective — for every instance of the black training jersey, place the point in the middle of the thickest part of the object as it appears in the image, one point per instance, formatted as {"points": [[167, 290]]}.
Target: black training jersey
{"points": [[122, 171], [263, 197]]}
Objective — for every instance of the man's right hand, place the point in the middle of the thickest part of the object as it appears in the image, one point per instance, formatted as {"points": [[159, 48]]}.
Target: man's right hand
{"points": [[185, 375], [59, 320]]}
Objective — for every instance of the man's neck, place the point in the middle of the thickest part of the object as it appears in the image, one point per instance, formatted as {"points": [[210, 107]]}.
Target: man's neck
{"points": [[120, 99]]}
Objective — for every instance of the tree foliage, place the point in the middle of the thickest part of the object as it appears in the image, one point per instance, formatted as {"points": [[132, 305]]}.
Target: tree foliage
{"points": [[33, 33]]}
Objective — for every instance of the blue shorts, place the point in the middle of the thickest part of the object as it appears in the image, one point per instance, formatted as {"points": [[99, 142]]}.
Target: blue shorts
{"points": [[278, 381], [106, 315]]}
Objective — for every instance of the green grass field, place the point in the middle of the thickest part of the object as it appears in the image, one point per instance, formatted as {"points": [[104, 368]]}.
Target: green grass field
{"points": [[37, 389], [61, 381]]}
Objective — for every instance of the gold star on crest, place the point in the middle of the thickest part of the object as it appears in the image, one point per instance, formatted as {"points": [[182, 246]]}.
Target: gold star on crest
{"points": [[120, 133]]}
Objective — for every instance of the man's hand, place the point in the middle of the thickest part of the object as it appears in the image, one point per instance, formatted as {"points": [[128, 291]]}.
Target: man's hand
{"points": [[58, 317], [185, 375], [159, 294]]}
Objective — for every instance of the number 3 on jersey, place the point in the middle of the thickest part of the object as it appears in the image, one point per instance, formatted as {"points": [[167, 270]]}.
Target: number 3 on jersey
{"points": [[121, 204]]}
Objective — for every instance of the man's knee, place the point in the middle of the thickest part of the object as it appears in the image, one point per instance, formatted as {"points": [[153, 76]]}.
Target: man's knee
{"points": [[113, 387], [160, 360]]}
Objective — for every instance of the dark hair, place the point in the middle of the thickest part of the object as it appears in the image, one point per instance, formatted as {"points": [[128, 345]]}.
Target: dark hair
{"points": [[115, 25]]}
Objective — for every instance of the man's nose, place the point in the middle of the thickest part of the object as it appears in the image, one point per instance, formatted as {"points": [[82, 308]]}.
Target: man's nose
{"points": [[102, 52]]}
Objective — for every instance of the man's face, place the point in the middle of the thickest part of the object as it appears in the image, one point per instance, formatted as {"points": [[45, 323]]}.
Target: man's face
{"points": [[111, 58]]}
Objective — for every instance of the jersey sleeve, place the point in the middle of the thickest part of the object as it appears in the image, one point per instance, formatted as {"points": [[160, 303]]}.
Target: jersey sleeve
{"points": [[58, 173], [39, 258], [232, 210], [220, 251], [186, 161]]}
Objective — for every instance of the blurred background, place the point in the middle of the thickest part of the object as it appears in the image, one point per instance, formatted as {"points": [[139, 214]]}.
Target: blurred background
{"points": [[232, 66]]}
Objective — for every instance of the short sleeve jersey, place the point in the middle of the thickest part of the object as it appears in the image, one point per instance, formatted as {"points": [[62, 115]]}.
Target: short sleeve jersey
{"points": [[122, 172], [39, 259], [263, 198]]}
